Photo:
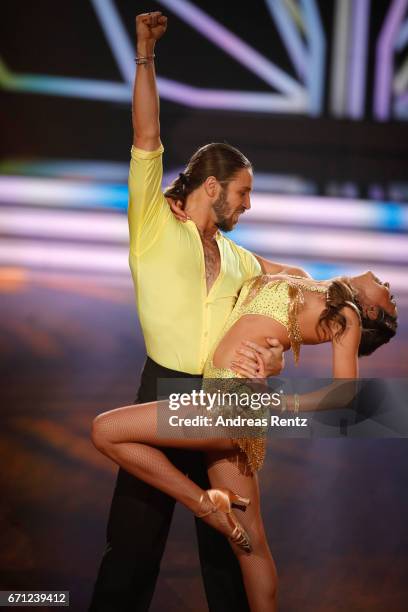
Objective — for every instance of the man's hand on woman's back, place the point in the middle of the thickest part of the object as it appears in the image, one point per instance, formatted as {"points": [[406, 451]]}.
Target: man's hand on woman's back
{"points": [[255, 361]]}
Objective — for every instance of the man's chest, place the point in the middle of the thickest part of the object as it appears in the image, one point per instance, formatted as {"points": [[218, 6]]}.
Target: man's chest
{"points": [[190, 267], [212, 261]]}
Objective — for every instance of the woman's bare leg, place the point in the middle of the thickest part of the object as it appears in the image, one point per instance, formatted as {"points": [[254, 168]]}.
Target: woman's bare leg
{"points": [[258, 568], [129, 437]]}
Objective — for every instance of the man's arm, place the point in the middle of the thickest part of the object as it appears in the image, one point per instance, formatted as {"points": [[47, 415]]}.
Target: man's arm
{"points": [[145, 108], [148, 210], [271, 267]]}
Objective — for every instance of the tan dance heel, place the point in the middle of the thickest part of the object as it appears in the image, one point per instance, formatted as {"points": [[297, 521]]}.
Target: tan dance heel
{"points": [[207, 512], [237, 500], [222, 500]]}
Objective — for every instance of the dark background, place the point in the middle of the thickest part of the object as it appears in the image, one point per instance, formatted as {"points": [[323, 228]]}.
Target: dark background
{"points": [[66, 39]]}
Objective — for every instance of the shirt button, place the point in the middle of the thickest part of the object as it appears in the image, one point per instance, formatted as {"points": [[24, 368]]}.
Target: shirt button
{"points": [[205, 334]]}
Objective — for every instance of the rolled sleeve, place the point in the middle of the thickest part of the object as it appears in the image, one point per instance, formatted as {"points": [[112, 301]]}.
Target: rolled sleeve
{"points": [[136, 153]]}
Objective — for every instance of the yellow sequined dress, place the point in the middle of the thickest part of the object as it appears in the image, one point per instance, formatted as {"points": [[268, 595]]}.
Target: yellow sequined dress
{"points": [[281, 300]]}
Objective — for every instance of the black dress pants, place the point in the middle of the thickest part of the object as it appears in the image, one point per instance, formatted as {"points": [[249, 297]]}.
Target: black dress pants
{"points": [[138, 526]]}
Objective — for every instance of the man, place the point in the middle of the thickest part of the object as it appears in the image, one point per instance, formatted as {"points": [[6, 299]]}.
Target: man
{"points": [[187, 277]]}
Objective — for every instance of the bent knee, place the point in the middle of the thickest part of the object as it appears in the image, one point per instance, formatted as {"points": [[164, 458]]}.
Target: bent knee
{"points": [[99, 433]]}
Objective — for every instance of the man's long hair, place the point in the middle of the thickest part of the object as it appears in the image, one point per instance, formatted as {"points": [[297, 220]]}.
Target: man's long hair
{"points": [[215, 159]]}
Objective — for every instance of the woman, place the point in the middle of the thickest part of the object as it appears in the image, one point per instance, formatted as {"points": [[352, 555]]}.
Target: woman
{"points": [[356, 314]]}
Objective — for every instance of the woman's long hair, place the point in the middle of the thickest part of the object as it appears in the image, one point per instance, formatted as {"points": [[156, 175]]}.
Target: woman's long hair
{"points": [[215, 159], [374, 332]]}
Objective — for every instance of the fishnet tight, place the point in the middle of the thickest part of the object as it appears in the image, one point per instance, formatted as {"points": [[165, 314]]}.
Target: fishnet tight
{"points": [[129, 437]]}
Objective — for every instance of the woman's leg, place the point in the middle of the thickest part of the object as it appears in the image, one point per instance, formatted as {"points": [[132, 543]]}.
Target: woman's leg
{"points": [[258, 568], [129, 436]]}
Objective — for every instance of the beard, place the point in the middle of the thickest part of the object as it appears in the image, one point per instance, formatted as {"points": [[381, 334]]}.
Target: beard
{"points": [[222, 209]]}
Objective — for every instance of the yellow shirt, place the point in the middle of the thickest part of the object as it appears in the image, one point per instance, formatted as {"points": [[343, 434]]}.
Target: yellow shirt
{"points": [[180, 322]]}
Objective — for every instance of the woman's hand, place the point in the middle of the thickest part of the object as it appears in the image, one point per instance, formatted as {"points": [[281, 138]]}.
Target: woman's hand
{"points": [[176, 208]]}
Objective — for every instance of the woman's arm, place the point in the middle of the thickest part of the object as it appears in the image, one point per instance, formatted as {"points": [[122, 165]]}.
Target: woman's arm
{"points": [[345, 349], [343, 389], [145, 109]]}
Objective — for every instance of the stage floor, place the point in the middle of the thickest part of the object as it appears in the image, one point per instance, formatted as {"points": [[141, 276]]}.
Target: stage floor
{"points": [[71, 348]]}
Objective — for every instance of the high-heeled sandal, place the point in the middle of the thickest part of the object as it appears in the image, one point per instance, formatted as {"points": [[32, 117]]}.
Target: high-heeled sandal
{"points": [[222, 500]]}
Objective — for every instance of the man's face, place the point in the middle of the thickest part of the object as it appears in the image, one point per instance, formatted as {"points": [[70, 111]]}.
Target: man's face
{"points": [[233, 200]]}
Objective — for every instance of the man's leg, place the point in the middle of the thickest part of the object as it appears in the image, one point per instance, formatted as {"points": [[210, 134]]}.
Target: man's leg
{"points": [[219, 566], [138, 526]]}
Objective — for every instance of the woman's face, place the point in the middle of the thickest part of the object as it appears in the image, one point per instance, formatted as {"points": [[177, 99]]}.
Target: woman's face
{"points": [[374, 292]]}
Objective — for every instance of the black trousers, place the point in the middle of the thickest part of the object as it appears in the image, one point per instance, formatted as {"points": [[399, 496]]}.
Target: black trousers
{"points": [[138, 526]]}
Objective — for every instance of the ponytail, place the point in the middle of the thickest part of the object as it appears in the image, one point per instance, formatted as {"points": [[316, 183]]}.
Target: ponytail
{"points": [[180, 188], [217, 159]]}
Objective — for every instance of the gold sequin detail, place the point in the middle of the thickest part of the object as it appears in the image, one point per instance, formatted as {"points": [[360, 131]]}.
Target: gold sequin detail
{"points": [[281, 300], [252, 448]]}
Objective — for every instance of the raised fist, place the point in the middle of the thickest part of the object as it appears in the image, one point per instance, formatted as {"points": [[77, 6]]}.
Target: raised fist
{"points": [[150, 26]]}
